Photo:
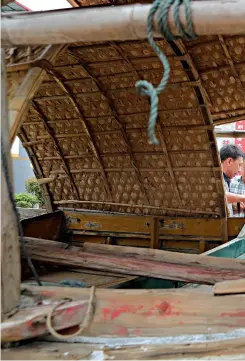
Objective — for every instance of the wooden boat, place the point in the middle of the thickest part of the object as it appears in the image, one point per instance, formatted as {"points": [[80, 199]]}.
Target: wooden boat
{"points": [[117, 206]]}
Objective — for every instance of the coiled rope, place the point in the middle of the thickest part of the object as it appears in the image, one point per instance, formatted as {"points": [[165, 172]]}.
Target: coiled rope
{"points": [[162, 8]]}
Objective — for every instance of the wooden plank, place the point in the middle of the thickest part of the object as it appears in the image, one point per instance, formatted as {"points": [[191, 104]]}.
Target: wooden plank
{"points": [[10, 254], [229, 287], [198, 227], [75, 351], [140, 261], [153, 313], [31, 322]]}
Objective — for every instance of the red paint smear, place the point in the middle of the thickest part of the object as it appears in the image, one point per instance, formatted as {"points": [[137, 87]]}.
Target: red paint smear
{"points": [[122, 331], [162, 309], [115, 312], [233, 314]]}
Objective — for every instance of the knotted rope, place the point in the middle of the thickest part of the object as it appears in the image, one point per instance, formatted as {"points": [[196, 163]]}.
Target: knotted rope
{"points": [[86, 321], [143, 86]]}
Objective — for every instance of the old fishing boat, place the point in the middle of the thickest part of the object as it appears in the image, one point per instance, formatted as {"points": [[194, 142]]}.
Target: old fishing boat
{"points": [[131, 176]]}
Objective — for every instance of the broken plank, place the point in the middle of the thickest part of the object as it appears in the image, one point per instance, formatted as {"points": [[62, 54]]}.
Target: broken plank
{"points": [[229, 287], [153, 313], [164, 256], [31, 322], [141, 262]]}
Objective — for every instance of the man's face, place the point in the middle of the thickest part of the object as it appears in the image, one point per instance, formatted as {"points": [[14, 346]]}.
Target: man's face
{"points": [[234, 166]]}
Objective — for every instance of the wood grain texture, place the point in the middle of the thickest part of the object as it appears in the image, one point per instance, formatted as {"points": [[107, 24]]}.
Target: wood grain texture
{"points": [[10, 253], [126, 313], [139, 261]]}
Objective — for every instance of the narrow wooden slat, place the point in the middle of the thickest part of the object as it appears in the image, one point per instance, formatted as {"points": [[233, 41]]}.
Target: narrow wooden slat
{"points": [[229, 287]]}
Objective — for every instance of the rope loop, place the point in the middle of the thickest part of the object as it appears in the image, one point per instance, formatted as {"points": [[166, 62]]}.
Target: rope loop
{"points": [[86, 321], [162, 8]]}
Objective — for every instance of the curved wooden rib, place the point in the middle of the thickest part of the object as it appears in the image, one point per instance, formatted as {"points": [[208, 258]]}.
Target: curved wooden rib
{"points": [[60, 81], [33, 79], [51, 132], [37, 171], [179, 49], [117, 118]]}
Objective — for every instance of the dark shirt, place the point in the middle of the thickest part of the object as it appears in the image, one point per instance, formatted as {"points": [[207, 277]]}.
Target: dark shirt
{"points": [[227, 180]]}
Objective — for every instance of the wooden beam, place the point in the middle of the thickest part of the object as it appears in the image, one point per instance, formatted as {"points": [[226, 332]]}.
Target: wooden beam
{"points": [[10, 253], [27, 89], [144, 262], [110, 23], [149, 313]]}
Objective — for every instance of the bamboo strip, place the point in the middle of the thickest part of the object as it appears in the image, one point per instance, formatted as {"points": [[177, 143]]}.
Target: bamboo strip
{"points": [[162, 169], [115, 23], [134, 206]]}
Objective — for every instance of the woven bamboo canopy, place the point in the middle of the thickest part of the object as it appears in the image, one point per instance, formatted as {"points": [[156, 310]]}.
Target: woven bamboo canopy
{"points": [[84, 126]]}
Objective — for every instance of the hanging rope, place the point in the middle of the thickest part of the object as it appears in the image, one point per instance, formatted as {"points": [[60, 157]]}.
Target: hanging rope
{"points": [[86, 321], [143, 86], [11, 197]]}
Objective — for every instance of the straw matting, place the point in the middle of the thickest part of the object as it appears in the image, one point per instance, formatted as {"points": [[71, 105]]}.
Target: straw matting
{"points": [[87, 126]]}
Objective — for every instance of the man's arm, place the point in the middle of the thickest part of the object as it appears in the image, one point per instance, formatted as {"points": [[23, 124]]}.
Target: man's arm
{"points": [[234, 198]]}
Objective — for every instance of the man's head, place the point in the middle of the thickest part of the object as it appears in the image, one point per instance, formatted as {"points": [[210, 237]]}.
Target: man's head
{"points": [[232, 159]]}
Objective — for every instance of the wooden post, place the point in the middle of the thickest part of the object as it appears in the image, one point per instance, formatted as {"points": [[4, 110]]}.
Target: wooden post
{"points": [[10, 252], [155, 233]]}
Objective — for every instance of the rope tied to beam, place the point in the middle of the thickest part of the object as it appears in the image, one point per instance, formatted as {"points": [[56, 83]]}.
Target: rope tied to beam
{"points": [[162, 8], [86, 321]]}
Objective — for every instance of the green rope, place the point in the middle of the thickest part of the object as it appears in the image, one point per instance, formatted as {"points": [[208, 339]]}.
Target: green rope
{"points": [[143, 86]]}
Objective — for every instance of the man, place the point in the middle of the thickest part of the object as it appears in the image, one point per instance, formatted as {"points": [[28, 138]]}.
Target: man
{"points": [[238, 187], [232, 160]]}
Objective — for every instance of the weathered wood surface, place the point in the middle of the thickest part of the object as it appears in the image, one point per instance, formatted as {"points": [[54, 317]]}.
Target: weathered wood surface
{"points": [[136, 261], [10, 254], [153, 313], [31, 322], [199, 350], [229, 287]]}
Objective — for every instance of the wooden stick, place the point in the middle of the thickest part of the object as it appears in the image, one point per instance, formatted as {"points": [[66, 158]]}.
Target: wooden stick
{"points": [[153, 312], [184, 210], [127, 261], [229, 287], [236, 134], [115, 23]]}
